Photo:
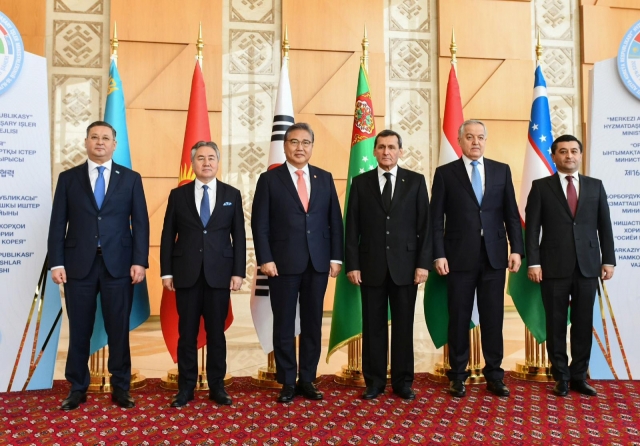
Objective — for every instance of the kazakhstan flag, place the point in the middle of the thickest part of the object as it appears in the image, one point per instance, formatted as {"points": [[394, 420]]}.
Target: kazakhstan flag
{"points": [[115, 115]]}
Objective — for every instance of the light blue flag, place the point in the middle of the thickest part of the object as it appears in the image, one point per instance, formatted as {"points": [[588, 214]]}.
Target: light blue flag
{"points": [[115, 115]]}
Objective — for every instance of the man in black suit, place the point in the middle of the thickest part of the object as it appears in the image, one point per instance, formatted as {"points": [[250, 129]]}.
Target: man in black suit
{"points": [[473, 209], [99, 243], [573, 214], [388, 254], [202, 259], [297, 233]]}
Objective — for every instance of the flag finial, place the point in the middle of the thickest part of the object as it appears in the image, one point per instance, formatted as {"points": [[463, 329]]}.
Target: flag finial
{"points": [[364, 59], [285, 43], [453, 47], [538, 48], [114, 41], [199, 45]]}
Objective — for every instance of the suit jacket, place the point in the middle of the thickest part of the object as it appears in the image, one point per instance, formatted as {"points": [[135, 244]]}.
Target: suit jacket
{"points": [[186, 246], [397, 241], [121, 224], [458, 218], [287, 235], [565, 239]]}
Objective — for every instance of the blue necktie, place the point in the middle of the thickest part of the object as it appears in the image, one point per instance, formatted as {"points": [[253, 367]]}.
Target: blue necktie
{"points": [[98, 190], [476, 181], [205, 213]]}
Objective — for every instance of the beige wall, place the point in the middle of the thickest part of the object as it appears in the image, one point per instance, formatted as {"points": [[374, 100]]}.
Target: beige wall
{"points": [[29, 17]]}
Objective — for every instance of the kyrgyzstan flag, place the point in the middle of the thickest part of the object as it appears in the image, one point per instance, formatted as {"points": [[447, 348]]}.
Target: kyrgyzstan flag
{"points": [[197, 129]]}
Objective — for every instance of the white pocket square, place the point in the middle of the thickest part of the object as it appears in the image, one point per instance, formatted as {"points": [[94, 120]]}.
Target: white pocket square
{"points": [[227, 203]]}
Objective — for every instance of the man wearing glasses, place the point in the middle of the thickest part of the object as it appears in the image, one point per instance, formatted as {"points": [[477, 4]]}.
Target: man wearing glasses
{"points": [[297, 232]]}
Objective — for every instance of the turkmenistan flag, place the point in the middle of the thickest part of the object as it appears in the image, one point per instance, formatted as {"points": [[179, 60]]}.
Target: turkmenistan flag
{"points": [[436, 310], [537, 164], [346, 323], [115, 114]]}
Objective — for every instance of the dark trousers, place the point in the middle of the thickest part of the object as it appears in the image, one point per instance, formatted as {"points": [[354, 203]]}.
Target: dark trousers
{"points": [[555, 297], [212, 304], [311, 286], [375, 340], [116, 297], [461, 289]]}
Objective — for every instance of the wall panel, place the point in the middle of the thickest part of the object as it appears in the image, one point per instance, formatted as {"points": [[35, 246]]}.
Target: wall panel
{"points": [[29, 17]]}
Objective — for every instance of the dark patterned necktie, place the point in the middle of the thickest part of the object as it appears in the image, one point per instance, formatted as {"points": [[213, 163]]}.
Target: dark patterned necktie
{"points": [[386, 192], [572, 195]]}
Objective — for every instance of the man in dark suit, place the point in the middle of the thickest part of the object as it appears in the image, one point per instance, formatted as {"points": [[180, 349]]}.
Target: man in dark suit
{"points": [[99, 243], [573, 214], [297, 233], [202, 259], [473, 209], [388, 254]]}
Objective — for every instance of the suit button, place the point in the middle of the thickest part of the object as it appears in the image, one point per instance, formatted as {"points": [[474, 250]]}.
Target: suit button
{"points": [[387, 232], [481, 212], [95, 236], [307, 215], [200, 249], [99, 218], [204, 232], [388, 218], [308, 232], [574, 223], [387, 247]]}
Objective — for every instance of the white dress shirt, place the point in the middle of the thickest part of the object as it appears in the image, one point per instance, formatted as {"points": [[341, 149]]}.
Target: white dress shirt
{"points": [[93, 177], [305, 177], [564, 183], [198, 191], [382, 180], [469, 167]]}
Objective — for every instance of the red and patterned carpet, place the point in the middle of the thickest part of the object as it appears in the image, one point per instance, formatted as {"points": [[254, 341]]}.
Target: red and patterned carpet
{"points": [[532, 415]]}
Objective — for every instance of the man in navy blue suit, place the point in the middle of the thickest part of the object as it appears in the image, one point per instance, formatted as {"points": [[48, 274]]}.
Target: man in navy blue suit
{"points": [[99, 243], [473, 210], [297, 232], [202, 259]]}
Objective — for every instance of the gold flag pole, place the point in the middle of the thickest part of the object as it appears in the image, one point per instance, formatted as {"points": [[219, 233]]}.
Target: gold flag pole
{"points": [[171, 380], [474, 368], [266, 376], [99, 376], [536, 366]]}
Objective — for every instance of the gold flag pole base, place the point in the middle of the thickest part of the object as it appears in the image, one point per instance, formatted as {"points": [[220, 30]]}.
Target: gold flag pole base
{"points": [[266, 376], [170, 382], [349, 377], [536, 366], [100, 378], [474, 369], [351, 374]]}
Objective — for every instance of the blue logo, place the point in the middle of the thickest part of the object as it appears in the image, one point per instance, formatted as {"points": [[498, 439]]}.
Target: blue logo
{"points": [[11, 53], [629, 60]]}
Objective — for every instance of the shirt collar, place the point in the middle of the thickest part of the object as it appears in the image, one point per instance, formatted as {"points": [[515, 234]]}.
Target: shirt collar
{"points": [[211, 184], [575, 175], [107, 165], [293, 169], [467, 161], [393, 171]]}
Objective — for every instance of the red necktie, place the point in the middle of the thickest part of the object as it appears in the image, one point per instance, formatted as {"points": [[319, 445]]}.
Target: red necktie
{"points": [[302, 190], [572, 195]]}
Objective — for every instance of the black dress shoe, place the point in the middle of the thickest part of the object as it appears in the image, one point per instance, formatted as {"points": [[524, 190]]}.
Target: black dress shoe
{"points": [[371, 392], [286, 394], [308, 390], [122, 398], [406, 393], [561, 388], [581, 386], [456, 388], [74, 400], [181, 399], [220, 396], [498, 388]]}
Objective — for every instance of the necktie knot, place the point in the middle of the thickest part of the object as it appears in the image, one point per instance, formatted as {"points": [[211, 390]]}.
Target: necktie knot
{"points": [[300, 173], [387, 175], [101, 170], [205, 188], [474, 163], [570, 178]]}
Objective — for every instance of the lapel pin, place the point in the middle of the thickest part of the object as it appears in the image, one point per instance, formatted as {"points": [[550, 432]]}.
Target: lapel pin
{"points": [[315, 176], [403, 180], [118, 172]]}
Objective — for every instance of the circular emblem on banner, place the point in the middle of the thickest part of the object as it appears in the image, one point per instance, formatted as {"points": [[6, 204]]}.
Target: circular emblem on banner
{"points": [[11, 53], [629, 60], [364, 117]]}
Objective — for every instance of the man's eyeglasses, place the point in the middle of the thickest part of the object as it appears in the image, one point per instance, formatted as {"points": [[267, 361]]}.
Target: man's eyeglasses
{"points": [[296, 142]]}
